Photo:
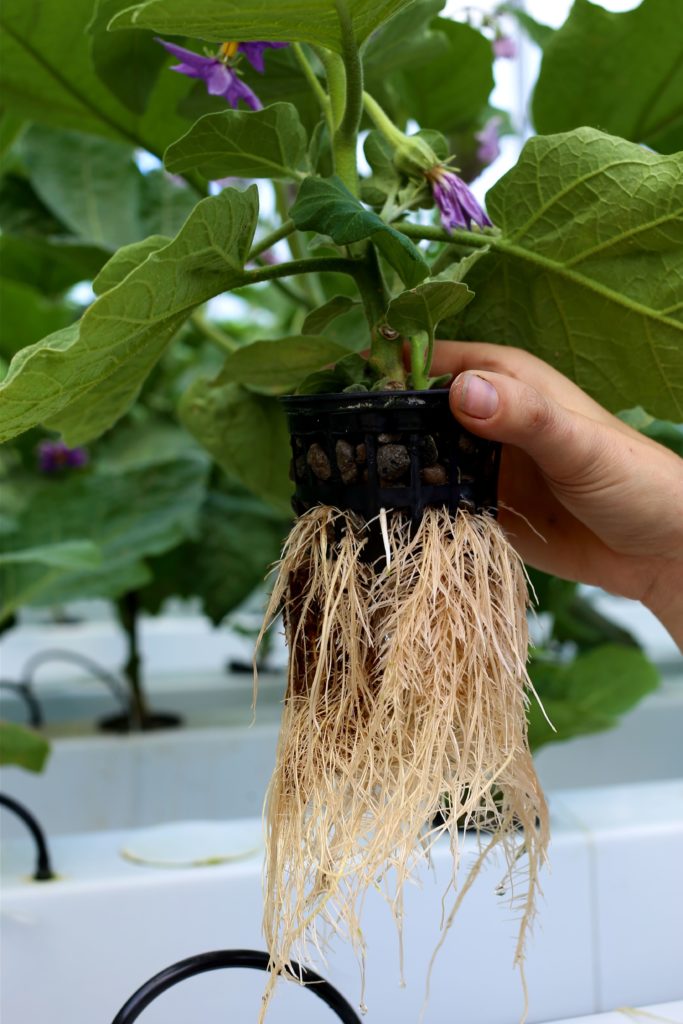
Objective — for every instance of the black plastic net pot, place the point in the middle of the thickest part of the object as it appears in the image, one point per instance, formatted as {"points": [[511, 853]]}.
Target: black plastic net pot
{"points": [[393, 450]]}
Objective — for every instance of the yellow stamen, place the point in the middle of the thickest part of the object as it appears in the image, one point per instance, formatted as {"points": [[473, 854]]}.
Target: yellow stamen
{"points": [[229, 50]]}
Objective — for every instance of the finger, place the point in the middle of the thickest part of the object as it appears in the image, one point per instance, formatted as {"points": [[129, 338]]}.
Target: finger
{"points": [[458, 356], [568, 448]]}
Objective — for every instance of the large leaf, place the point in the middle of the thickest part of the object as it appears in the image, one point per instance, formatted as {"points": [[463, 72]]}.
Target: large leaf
{"points": [[68, 554], [82, 379], [245, 433], [47, 76], [588, 270], [128, 515], [268, 143], [127, 259], [127, 62], [93, 186], [589, 694], [50, 265], [621, 72], [450, 89], [278, 367], [326, 205], [309, 21], [27, 316], [90, 183], [23, 747]]}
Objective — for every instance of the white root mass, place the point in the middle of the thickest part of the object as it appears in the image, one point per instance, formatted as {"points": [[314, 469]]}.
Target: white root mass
{"points": [[405, 700]]}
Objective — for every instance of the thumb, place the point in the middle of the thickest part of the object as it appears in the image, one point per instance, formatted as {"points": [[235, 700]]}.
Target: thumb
{"points": [[566, 446]]}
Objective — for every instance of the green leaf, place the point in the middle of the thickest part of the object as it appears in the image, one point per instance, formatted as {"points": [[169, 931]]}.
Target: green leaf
{"points": [[69, 554], [308, 21], [319, 319], [621, 72], [90, 183], [82, 379], [50, 265], [327, 206], [424, 307], [27, 316], [588, 269], [127, 515], [666, 433], [245, 433], [268, 143], [278, 367], [96, 190], [590, 693], [23, 747], [127, 259], [449, 90], [47, 76], [406, 42], [128, 63]]}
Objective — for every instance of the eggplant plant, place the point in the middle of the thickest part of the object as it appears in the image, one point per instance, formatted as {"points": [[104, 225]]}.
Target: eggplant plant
{"points": [[404, 604]]}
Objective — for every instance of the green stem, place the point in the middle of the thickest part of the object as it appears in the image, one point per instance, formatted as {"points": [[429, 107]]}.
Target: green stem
{"points": [[331, 264], [312, 79], [128, 608], [386, 346], [382, 121], [335, 73], [420, 358], [471, 239], [213, 333], [268, 241], [346, 136]]}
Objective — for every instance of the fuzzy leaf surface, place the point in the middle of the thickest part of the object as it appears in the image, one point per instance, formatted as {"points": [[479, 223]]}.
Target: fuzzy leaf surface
{"points": [[268, 143], [278, 367], [424, 307], [587, 272], [327, 206], [623, 72], [126, 515], [82, 379], [233, 424], [308, 21]]}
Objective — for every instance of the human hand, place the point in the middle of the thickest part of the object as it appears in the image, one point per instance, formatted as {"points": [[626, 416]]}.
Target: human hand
{"points": [[601, 503]]}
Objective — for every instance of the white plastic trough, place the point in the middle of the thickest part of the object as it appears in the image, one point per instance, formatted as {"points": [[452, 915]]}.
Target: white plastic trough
{"points": [[608, 933]]}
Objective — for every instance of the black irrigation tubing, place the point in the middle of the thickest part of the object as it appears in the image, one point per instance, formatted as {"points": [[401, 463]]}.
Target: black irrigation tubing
{"points": [[43, 872], [228, 958], [115, 686], [23, 690]]}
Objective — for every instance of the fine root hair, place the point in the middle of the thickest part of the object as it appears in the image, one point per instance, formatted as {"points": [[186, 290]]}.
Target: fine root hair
{"points": [[404, 720]]}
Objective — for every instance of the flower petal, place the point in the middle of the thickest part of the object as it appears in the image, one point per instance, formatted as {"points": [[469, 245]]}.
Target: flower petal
{"points": [[187, 57], [254, 52]]}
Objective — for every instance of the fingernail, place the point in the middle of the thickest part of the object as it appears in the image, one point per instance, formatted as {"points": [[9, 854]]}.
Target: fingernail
{"points": [[477, 397]]}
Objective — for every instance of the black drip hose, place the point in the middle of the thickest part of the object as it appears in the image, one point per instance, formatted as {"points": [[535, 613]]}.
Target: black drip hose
{"points": [[225, 958], [113, 684], [24, 691], [43, 872]]}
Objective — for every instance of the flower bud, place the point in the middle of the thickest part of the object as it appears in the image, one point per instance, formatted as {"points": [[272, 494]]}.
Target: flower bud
{"points": [[414, 156]]}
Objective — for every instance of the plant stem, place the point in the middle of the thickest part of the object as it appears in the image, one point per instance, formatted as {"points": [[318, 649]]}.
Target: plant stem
{"points": [[386, 351], [471, 239], [128, 608], [346, 135], [332, 264], [268, 241], [419, 358], [335, 73], [213, 333], [382, 121], [312, 79]]}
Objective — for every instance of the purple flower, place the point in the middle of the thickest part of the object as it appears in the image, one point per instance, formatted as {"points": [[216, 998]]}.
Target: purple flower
{"points": [[488, 139], [457, 205], [254, 52], [55, 457], [504, 46], [220, 78]]}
